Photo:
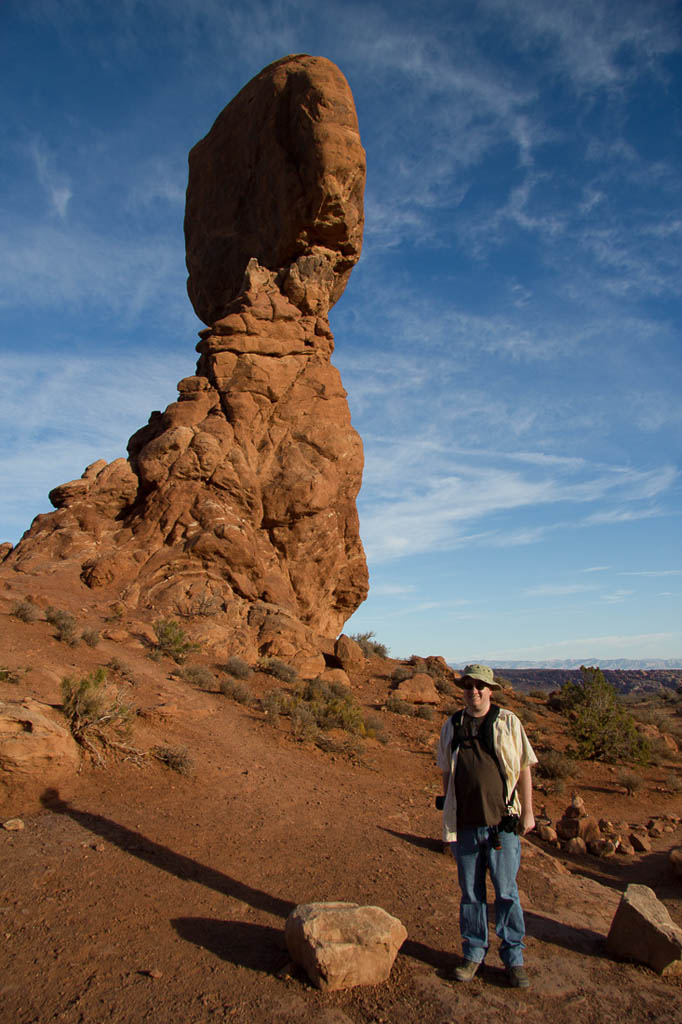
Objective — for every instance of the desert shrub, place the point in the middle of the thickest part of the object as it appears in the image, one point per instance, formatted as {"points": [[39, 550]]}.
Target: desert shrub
{"points": [[445, 686], [235, 690], [273, 704], [178, 759], [198, 675], [202, 605], [398, 706], [238, 668], [554, 764], [538, 694], [277, 668], [555, 787], [602, 728], [90, 637], [64, 623], [172, 641], [369, 646], [119, 668], [401, 673], [93, 709], [9, 675], [374, 730], [25, 611], [673, 783], [630, 781], [425, 712], [303, 723]]}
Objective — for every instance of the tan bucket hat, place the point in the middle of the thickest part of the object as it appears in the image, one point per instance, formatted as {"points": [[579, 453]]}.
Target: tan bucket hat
{"points": [[483, 673]]}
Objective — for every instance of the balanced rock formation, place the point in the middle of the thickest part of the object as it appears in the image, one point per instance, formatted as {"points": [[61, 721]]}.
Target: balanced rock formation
{"points": [[240, 497]]}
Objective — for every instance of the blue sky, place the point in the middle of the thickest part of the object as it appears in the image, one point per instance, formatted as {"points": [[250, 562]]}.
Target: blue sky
{"points": [[510, 340]]}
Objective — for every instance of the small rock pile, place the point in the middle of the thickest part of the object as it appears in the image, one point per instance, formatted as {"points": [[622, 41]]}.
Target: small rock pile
{"points": [[579, 832]]}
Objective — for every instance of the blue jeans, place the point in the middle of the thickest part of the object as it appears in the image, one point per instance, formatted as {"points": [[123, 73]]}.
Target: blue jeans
{"points": [[474, 854]]}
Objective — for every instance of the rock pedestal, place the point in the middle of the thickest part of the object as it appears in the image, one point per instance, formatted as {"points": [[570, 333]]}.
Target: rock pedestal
{"points": [[238, 501]]}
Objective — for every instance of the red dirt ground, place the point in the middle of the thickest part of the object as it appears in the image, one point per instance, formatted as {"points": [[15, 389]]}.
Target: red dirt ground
{"points": [[140, 895]]}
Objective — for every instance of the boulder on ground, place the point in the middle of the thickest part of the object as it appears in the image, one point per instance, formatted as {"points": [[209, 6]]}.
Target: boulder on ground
{"points": [[418, 689], [33, 748], [643, 931], [349, 654], [341, 945]]}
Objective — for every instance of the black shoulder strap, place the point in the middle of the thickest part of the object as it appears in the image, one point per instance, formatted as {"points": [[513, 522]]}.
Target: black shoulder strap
{"points": [[457, 720]]}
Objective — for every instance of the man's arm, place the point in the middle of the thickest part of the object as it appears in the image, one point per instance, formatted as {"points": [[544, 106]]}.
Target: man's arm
{"points": [[525, 791]]}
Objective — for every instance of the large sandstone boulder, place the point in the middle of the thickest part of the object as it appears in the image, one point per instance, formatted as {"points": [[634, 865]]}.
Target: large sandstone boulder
{"points": [[33, 748], [341, 945], [642, 930], [238, 501], [279, 178]]}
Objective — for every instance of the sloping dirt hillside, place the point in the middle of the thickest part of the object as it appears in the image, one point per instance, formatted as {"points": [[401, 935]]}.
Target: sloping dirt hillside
{"points": [[136, 894]]}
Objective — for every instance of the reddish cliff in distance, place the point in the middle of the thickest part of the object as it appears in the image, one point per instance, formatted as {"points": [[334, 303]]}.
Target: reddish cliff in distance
{"points": [[239, 499]]}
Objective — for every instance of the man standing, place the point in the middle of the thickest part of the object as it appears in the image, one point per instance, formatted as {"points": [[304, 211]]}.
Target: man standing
{"points": [[485, 758]]}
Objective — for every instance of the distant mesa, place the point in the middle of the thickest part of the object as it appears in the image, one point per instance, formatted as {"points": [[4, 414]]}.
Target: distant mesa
{"points": [[240, 497]]}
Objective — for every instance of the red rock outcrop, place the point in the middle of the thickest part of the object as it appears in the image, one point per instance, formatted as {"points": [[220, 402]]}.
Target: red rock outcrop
{"points": [[240, 497]]}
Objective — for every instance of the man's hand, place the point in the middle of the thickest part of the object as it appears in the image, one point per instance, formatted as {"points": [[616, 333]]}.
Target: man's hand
{"points": [[527, 822]]}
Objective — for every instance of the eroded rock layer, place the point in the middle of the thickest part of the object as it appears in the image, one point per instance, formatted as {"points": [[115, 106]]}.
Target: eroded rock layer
{"points": [[239, 499]]}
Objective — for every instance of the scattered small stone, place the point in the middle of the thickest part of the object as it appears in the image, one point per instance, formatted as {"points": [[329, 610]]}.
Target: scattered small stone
{"points": [[675, 860], [13, 825], [640, 842], [154, 973], [99, 847], [576, 845]]}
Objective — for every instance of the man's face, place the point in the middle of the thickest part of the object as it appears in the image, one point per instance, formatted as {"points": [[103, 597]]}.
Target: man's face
{"points": [[476, 701]]}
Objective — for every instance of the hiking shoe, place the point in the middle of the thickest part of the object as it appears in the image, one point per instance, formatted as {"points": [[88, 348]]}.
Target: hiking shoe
{"points": [[517, 977], [466, 971]]}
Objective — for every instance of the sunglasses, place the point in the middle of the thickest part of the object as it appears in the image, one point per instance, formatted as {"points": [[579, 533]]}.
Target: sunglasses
{"points": [[474, 686]]}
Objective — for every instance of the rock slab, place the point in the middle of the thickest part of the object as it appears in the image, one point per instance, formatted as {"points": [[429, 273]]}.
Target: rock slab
{"points": [[341, 945], [642, 930]]}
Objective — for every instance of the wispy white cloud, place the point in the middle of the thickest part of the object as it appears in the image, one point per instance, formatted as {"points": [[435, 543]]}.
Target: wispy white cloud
{"points": [[617, 596], [54, 184], [557, 589], [596, 568], [652, 572]]}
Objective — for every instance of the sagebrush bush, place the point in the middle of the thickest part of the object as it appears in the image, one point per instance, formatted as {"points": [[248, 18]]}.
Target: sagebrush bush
{"points": [[277, 668], [237, 667], [178, 759], [64, 623], [198, 675], [9, 675], [172, 641], [554, 764], [369, 646], [401, 673], [91, 706], [425, 712], [25, 610], [91, 637], [673, 783], [374, 729], [398, 706], [235, 690], [273, 704], [630, 781]]}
